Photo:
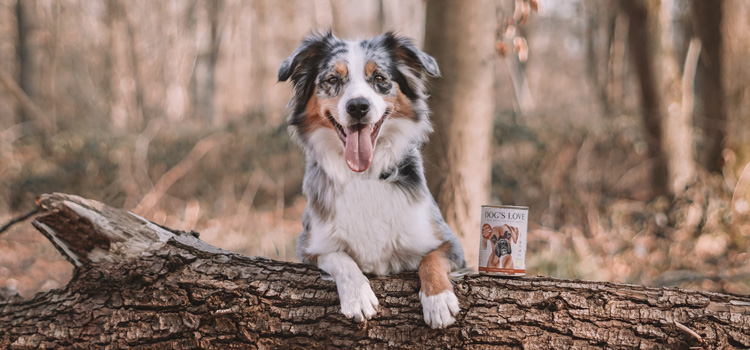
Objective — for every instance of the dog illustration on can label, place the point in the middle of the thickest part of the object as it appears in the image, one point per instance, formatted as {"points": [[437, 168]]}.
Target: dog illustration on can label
{"points": [[502, 247]]}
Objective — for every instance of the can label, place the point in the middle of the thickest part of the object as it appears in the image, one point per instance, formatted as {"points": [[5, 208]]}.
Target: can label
{"points": [[502, 246]]}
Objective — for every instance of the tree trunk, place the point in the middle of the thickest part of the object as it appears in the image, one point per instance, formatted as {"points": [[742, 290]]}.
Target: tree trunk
{"points": [[36, 76], [668, 126], [735, 31], [461, 36], [641, 52], [711, 116], [10, 112], [601, 19], [141, 286], [24, 19], [736, 74]]}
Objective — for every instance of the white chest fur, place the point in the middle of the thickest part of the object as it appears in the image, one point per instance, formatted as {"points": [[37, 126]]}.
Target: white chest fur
{"points": [[375, 224]]}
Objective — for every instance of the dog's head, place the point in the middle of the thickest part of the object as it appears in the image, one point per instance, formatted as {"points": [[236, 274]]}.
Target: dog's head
{"points": [[357, 95], [500, 236]]}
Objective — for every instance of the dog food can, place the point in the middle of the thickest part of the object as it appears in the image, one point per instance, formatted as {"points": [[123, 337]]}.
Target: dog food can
{"points": [[502, 246]]}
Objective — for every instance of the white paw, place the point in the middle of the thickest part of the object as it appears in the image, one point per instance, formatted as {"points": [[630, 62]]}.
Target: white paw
{"points": [[357, 299], [439, 309]]}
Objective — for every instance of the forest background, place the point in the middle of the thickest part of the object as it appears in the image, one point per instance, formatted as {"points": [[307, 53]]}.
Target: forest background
{"points": [[623, 125]]}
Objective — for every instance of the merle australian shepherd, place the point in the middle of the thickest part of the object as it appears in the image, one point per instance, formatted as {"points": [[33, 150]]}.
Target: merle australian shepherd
{"points": [[360, 115]]}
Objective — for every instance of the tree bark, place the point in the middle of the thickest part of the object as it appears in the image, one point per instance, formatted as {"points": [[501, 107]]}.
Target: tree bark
{"points": [[141, 286], [461, 37]]}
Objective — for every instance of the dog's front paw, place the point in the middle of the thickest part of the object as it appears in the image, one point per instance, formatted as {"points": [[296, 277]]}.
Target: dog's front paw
{"points": [[439, 309], [357, 299]]}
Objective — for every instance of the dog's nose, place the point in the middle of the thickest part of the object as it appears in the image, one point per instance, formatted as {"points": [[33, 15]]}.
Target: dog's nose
{"points": [[358, 107]]}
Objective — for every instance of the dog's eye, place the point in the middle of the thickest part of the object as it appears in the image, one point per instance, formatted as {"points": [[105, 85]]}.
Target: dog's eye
{"points": [[378, 78], [332, 80]]}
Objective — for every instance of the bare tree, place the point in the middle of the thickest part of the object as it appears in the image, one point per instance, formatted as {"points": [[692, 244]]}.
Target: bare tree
{"points": [[600, 35], [735, 76], [37, 62], [666, 105], [9, 108], [461, 36], [710, 113], [735, 32]]}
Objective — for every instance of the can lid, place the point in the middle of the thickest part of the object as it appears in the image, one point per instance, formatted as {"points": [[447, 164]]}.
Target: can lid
{"points": [[506, 207]]}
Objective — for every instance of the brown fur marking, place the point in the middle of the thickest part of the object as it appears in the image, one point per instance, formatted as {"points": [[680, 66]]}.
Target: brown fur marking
{"points": [[433, 271], [400, 105], [314, 113], [313, 120], [370, 68], [311, 259], [341, 68]]}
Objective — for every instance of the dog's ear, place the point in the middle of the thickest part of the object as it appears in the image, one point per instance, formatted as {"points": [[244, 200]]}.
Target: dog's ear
{"points": [[307, 55], [410, 66], [486, 231], [406, 53], [302, 68]]}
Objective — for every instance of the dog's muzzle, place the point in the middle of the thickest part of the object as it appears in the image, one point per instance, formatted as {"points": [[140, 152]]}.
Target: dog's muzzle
{"points": [[359, 138], [502, 247]]}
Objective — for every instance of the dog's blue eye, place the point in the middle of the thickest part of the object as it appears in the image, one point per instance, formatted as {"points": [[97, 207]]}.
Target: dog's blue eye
{"points": [[333, 80]]}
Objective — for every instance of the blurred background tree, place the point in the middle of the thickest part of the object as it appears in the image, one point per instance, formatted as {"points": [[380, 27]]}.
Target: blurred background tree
{"points": [[461, 37], [624, 126]]}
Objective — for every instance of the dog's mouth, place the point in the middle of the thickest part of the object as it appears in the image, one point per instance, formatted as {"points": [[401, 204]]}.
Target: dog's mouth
{"points": [[358, 141]]}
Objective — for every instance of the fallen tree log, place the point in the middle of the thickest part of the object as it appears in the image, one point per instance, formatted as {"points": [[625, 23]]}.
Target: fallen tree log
{"points": [[142, 286]]}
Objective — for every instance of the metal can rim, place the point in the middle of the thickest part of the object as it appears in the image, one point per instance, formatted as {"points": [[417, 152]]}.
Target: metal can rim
{"points": [[506, 207]]}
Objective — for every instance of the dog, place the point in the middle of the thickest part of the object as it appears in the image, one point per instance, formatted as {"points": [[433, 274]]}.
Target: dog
{"points": [[498, 238], [359, 113]]}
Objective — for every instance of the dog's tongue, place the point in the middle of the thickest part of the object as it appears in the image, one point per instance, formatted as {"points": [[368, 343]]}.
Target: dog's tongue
{"points": [[359, 147]]}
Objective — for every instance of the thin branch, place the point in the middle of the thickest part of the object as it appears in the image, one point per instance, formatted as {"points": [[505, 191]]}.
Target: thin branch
{"points": [[18, 219], [26, 103], [177, 172], [688, 331]]}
